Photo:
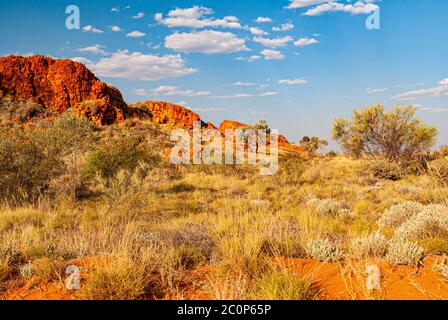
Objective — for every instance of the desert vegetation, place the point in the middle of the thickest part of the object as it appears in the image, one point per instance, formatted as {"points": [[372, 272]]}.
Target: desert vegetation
{"points": [[105, 199]]}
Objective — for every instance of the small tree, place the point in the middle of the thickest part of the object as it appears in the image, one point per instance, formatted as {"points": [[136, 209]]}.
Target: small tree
{"points": [[312, 144], [395, 134]]}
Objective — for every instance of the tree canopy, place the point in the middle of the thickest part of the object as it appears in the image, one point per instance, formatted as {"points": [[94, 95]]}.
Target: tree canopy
{"points": [[395, 134]]}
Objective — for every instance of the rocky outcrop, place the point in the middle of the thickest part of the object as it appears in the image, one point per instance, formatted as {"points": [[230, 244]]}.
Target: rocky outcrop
{"points": [[58, 85], [170, 114]]}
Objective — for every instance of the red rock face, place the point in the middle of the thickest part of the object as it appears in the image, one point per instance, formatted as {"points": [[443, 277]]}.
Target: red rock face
{"points": [[58, 85], [173, 115]]}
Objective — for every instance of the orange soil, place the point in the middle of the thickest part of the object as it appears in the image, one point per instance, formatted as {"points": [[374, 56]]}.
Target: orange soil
{"points": [[335, 281]]}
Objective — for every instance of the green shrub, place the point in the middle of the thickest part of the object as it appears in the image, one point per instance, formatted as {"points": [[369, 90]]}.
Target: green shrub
{"points": [[387, 170], [324, 250], [399, 214], [373, 245], [122, 153], [31, 158], [404, 253]]}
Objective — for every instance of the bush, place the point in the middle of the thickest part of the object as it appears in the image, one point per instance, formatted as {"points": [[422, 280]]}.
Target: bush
{"points": [[387, 170], [30, 159], [324, 250], [439, 168], [123, 153], [277, 285], [399, 214], [373, 245], [328, 207], [404, 253], [432, 221]]}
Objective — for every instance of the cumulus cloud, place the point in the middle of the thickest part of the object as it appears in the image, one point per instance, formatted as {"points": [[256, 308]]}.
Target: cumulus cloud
{"points": [[195, 17], [136, 34], [296, 4], [207, 41], [92, 29], [115, 9], [263, 20], [138, 66], [95, 49], [359, 7], [115, 28], [82, 60], [275, 42], [303, 42], [252, 58], [272, 55], [139, 15], [292, 82], [257, 31], [284, 27]]}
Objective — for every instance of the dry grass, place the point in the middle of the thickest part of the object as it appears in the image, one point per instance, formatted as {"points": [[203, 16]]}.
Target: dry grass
{"points": [[150, 225]]}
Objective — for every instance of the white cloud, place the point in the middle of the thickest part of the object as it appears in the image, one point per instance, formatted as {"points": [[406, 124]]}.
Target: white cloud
{"points": [[92, 29], [95, 49], [269, 94], [136, 34], [444, 82], [292, 82], [175, 91], [115, 28], [138, 66], [284, 27], [263, 20], [115, 9], [207, 110], [431, 109], [249, 59], [246, 95], [244, 84], [82, 60], [257, 31], [303, 42], [207, 41], [139, 15], [359, 7], [373, 90], [194, 17], [295, 4], [169, 91], [440, 90], [274, 43], [272, 55]]}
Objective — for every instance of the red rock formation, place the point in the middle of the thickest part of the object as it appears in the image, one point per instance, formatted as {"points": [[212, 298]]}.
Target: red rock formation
{"points": [[173, 115], [58, 85]]}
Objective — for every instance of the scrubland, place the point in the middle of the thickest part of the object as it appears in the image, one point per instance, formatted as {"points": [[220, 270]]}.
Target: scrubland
{"points": [[106, 200]]}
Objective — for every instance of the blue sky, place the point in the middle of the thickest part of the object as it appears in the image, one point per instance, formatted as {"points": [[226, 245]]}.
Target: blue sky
{"points": [[296, 63]]}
